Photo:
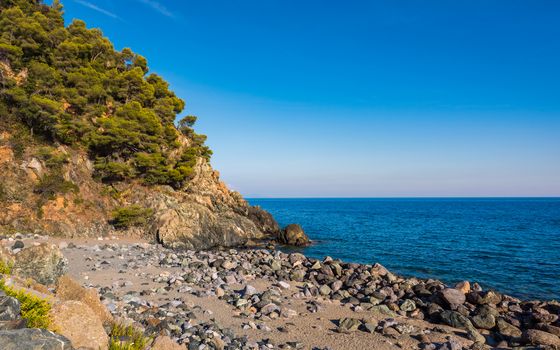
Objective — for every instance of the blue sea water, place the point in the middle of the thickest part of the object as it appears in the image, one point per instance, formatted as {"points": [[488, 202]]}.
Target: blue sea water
{"points": [[509, 244]]}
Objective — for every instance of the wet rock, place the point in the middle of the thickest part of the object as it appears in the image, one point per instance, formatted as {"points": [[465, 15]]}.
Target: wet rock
{"points": [[43, 263], [33, 338], [294, 235]]}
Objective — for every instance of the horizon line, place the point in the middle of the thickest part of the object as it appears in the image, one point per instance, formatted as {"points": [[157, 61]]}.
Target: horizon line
{"points": [[407, 197]]}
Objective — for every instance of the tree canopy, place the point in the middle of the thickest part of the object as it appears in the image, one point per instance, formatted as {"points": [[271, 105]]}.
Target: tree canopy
{"points": [[71, 86]]}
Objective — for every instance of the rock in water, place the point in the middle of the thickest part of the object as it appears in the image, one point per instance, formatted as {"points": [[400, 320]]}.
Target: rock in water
{"points": [[76, 321], [33, 338], [43, 263], [293, 235]]}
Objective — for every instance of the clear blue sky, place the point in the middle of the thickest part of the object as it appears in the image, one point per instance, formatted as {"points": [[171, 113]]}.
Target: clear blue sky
{"points": [[383, 98]]}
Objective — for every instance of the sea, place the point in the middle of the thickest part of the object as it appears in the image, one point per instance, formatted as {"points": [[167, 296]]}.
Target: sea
{"points": [[511, 245]]}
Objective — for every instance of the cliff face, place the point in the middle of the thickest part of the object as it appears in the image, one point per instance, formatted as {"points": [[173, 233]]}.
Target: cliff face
{"points": [[202, 214]]}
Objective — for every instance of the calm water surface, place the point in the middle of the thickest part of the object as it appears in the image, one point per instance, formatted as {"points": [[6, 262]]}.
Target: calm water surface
{"points": [[512, 245]]}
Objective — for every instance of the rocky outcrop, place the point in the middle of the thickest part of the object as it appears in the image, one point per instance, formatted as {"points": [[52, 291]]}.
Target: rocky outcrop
{"points": [[202, 214], [294, 235]]}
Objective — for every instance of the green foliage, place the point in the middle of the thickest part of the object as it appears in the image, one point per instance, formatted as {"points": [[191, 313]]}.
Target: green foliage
{"points": [[5, 267], [80, 91], [134, 339], [33, 309], [133, 215], [52, 184], [53, 158]]}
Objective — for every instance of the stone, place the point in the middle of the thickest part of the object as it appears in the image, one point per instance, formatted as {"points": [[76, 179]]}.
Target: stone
{"points": [[537, 337], [43, 263], [163, 342], [249, 291], [69, 289], [9, 308], [347, 325], [508, 329], [324, 290], [294, 235], [455, 319], [464, 287], [408, 305], [453, 297], [18, 245], [33, 338], [79, 323]]}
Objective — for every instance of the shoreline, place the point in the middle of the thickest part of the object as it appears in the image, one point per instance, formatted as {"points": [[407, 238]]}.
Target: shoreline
{"points": [[270, 299]]}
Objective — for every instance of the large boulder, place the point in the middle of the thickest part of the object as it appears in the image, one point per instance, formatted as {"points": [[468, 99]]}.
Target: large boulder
{"points": [[69, 289], [294, 235], [33, 338], [163, 342], [43, 263], [77, 322]]}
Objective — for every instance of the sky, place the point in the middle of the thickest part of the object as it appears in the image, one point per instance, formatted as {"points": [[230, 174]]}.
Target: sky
{"points": [[386, 98]]}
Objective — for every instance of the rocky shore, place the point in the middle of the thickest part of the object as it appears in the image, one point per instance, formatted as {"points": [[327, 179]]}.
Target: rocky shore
{"points": [[266, 299]]}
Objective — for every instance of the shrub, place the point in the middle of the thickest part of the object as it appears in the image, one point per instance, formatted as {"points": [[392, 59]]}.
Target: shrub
{"points": [[33, 309], [134, 338], [53, 159], [133, 215], [52, 184], [5, 267]]}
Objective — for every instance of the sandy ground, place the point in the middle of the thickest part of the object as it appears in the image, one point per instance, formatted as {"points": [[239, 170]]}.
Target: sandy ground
{"points": [[313, 330]]}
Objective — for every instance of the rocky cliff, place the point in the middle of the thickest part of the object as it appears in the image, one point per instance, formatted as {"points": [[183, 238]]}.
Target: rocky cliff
{"points": [[202, 214]]}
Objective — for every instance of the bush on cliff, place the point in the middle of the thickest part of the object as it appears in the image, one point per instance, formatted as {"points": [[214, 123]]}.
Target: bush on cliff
{"points": [[69, 85], [130, 216]]}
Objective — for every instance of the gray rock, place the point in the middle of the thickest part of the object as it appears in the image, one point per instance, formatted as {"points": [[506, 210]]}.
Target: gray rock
{"points": [[43, 263], [9, 308], [408, 305], [508, 329], [33, 339]]}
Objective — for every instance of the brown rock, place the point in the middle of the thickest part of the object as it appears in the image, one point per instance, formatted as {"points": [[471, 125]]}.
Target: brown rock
{"points": [[293, 235], [464, 287], [536, 337], [69, 289], [165, 343], [453, 297], [77, 322]]}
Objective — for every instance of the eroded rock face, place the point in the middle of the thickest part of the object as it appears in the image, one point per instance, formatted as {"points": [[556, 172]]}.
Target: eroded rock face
{"points": [[43, 263], [294, 235], [201, 215], [206, 214]]}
